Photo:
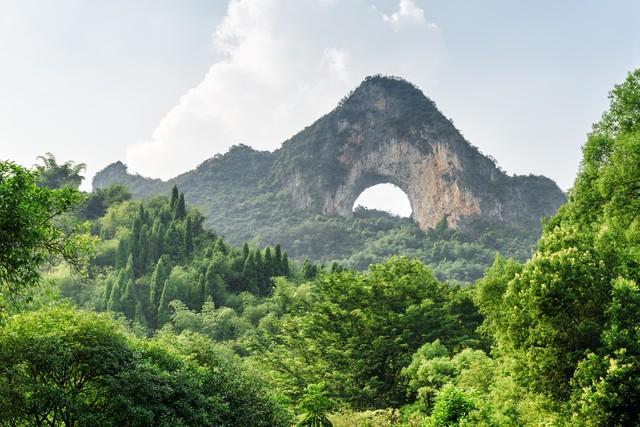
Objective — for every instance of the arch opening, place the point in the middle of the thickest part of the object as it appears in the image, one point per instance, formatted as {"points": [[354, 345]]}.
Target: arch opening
{"points": [[385, 197]]}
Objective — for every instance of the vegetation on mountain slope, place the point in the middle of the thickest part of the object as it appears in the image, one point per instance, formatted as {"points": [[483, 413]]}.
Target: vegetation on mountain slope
{"points": [[292, 196]]}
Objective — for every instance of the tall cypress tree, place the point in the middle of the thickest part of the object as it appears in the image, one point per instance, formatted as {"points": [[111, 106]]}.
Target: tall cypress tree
{"points": [[263, 278], [142, 214], [163, 306], [277, 260], [108, 287], [250, 275], [174, 198], [122, 254], [134, 241], [245, 252], [174, 243], [155, 241], [336, 268], [143, 252], [181, 208], [129, 269], [139, 316], [116, 292], [220, 246], [158, 278], [269, 264], [215, 286], [309, 270], [129, 300]]}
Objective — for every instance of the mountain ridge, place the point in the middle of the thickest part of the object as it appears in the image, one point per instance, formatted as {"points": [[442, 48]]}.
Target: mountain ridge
{"points": [[386, 130]]}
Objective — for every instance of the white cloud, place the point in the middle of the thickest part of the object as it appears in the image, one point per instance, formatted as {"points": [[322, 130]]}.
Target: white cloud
{"points": [[408, 13], [282, 64]]}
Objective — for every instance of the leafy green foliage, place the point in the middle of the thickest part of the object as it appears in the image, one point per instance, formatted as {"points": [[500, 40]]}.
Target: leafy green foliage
{"points": [[389, 346], [98, 202], [358, 330], [33, 228], [452, 406], [62, 367], [54, 176], [155, 257], [316, 405], [566, 319]]}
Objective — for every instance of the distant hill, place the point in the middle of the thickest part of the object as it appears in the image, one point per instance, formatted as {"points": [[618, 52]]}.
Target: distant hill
{"points": [[386, 131]]}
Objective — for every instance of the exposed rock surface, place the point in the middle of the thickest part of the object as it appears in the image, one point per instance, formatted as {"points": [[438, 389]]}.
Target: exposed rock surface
{"points": [[386, 131]]}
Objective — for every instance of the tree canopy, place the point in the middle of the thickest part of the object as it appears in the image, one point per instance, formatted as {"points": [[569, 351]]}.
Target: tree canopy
{"points": [[33, 228]]}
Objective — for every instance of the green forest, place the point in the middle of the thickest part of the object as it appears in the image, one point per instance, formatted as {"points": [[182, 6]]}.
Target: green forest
{"points": [[115, 311]]}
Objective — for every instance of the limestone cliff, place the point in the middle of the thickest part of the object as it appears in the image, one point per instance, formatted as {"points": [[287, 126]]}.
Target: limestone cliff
{"points": [[387, 131]]}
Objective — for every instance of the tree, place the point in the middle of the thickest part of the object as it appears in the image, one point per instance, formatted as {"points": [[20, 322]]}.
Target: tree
{"points": [[316, 405], [181, 209], [102, 198], [179, 280], [430, 369], [490, 290], [269, 264], [59, 366], [245, 251], [250, 274], [56, 367], [143, 260], [155, 240], [623, 115], [359, 330], [54, 176], [605, 383], [174, 198], [33, 228], [115, 298], [108, 287], [158, 279], [215, 286], [565, 320], [309, 270], [129, 299], [451, 407], [277, 259], [188, 236], [173, 242], [122, 254]]}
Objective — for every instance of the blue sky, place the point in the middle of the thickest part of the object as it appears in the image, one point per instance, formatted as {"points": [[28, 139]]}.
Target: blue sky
{"points": [[164, 84]]}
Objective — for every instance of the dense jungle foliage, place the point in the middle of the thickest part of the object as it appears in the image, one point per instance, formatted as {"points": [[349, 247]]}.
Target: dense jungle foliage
{"points": [[122, 312]]}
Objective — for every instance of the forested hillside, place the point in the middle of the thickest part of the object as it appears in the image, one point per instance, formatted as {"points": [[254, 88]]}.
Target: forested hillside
{"points": [[386, 130], [132, 312]]}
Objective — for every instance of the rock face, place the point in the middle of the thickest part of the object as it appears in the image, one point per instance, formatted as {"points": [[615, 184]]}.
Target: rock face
{"points": [[386, 131]]}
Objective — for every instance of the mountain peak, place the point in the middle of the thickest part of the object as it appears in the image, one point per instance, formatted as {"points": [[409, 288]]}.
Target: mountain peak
{"points": [[389, 84], [393, 94]]}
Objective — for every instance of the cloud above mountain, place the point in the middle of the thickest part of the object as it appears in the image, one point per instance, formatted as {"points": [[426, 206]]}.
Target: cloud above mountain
{"points": [[279, 65]]}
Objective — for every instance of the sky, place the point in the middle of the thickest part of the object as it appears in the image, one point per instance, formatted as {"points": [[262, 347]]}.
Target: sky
{"points": [[163, 85]]}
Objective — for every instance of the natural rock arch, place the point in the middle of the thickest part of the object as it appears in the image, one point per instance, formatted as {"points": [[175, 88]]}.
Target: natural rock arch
{"points": [[388, 131], [425, 179]]}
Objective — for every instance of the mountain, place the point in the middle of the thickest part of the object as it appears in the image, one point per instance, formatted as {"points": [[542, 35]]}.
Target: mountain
{"points": [[385, 131]]}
